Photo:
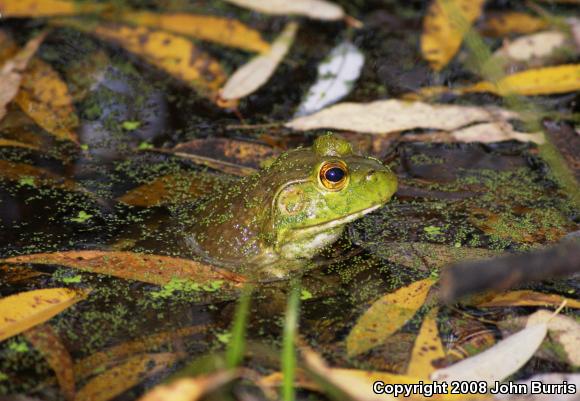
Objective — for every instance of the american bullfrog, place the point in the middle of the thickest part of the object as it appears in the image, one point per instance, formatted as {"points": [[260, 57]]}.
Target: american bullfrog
{"points": [[273, 222]]}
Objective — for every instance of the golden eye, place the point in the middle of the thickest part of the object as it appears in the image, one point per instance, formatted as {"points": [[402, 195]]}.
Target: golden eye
{"points": [[333, 175]]}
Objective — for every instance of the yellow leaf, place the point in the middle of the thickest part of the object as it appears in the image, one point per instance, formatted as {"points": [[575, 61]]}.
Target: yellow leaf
{"points": [[251, 76], [527, 298], [48, 343], [316, 9], [189, 389], [387, 315], [155, 269], [541, 81], [46, 99], [505, 23], [444, 26], [22, 311], [220, 30], [126, 375], [46, 8], [16, 144], [427, 347]]}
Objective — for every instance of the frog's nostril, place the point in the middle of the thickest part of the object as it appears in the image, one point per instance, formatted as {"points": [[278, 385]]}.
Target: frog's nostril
{"points": [[370, 175]]}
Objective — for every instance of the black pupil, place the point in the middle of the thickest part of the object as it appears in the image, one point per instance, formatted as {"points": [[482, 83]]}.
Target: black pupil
{"points": [[334, 174]]}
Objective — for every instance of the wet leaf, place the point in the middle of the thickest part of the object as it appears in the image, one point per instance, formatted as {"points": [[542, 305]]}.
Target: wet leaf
{"points": [[500, 361], [444, 26], [336, 77], [171, 53], [17, 144], [155, 269], [48, 343], [189, 389], [35, 177], [562, 329], [225, 31], [526, 298], [387, 315], [46, 99], [385, 116], [111, 356], [128, 374], [427, 348], [46, 8], [13, 274], [220, 165], [251, 76], [22, 311], [530, 47], [316, 9], [504, 23], [13, 69]]}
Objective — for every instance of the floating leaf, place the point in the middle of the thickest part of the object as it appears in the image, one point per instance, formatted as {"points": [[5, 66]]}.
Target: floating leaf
{"points": [[526, 298], [190, 389], [316, 9], [12, 71], [133, 371], [46, 99], [33, 176], [444, 26], [22, 311], [155, 269], [529, 47], [499, 361], [384, 116], [46, 8], [49, 344], [225, 31], [220, 165], [251, 76], [13, 274], [427, 348], [336, 77], [17, 144], [386, 315], [505, 23]]}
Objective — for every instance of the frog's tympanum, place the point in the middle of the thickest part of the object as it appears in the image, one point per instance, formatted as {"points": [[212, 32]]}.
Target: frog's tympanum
{"points": [[275, 221]]}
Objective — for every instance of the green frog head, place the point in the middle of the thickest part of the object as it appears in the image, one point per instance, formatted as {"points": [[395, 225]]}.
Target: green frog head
{"points": [[275, 221]]}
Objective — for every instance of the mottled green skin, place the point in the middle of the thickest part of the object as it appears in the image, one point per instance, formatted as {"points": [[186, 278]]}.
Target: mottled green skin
{"points": [[275, 221]]}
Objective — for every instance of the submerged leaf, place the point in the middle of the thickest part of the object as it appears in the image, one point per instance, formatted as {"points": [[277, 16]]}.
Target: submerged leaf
{"points": [[316, 9], [46, 8], [33, 176], [155, 269], [427, 348], [384, 116], [526, 298], [387, 315], [505, 23], [189, 389], [336, 78], [22, 311], [444, 26], [17, 144], [251, 76], [225, 31]]}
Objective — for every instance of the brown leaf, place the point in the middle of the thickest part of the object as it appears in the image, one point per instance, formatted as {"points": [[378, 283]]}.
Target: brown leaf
{"points": [[189, 389], [525, 298], [38, 177], [155, 269], [500, 24]]}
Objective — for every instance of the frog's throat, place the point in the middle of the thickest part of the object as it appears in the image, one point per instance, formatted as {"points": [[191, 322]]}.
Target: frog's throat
{"points": [[314, 229]]}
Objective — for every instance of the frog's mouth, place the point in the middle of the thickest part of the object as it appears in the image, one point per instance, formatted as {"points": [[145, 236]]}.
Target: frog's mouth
{"points": [[329, 225]]}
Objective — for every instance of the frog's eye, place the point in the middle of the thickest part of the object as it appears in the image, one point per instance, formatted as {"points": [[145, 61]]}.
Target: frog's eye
{"points": [[333, 175]]}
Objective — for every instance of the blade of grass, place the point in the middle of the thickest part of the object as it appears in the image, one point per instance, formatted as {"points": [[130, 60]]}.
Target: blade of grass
{"points": [[288, 344], [237, 344]]}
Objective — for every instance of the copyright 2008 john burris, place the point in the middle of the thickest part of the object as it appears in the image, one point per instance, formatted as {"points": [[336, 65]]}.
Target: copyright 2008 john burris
{"points": [[472, 387]]}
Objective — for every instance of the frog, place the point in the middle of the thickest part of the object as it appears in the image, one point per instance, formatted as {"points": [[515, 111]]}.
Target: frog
{"points": [[271, 224]]}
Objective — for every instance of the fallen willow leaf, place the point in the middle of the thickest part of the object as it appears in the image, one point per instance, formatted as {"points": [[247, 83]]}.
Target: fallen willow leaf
{"points": [[16, 144], [387, 315], [122, 377], [540, 81], [225, 31], [12, 274], [44, 339], [12, 71], [526, 298], [444, 26], [316, 9], [171, 53], [33, 176], [385, 116], [336, 77], [564, 330], [46, 8], [189, 389], [484, 133], [535, 46], [46, 99], [154, 269], [499, 361], [22, 311], [251, 76], [110, 356], [504, 23], [427, 348]]}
